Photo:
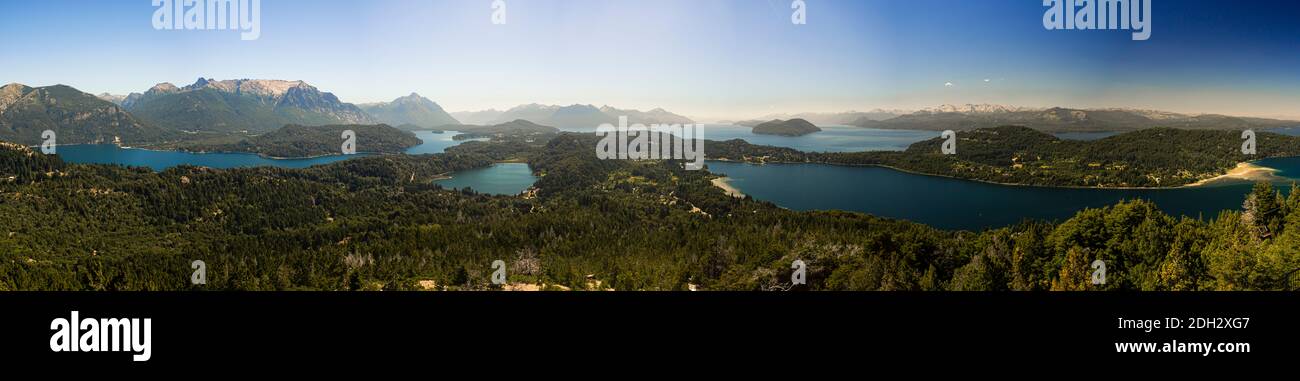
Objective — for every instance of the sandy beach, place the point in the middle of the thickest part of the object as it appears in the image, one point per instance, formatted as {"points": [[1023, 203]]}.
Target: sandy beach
{"points": [[1243, 172], [721, 182]]}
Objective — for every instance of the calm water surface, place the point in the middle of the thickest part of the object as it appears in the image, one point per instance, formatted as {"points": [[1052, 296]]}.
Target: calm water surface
{"points": [[506, 179], [961, 204]]}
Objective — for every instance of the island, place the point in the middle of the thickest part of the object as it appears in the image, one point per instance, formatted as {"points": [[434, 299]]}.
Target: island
{"points": [[792, 127], [297, 141], [515, 128]]}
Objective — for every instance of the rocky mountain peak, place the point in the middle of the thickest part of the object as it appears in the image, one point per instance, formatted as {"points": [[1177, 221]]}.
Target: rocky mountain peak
{"points": [[165, 87]]}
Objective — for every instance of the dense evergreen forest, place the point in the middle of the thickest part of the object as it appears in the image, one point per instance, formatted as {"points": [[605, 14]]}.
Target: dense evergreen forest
{"points": [[380, 223], [293, 141], [1151, 158]]}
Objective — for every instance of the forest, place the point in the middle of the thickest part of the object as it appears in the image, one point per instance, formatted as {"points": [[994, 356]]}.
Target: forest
{"points": [[381, 223], [295, 141]]}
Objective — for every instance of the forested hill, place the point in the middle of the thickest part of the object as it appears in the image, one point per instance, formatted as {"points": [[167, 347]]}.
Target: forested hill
{"points": [[792, 127], [516, 128], [75, 117], [1158, 157], [381, 223], [294, 141]]}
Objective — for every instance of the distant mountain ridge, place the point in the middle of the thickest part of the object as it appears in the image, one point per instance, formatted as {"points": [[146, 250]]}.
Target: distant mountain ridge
{"points": [[477, 117], [572, 116], [244, 104], [410, 110], [115, 99], [75, 117], [1059, 119], [654, 116], [983, 108]]}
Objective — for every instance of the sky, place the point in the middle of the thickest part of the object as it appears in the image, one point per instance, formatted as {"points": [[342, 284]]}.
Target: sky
{"points": [[709, 59]]}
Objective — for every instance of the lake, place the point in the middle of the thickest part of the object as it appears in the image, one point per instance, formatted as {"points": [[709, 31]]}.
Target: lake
{"points": [[159, 160], [507, 179], [500, 178], [432, 142], [960, 204], [830, 139]]}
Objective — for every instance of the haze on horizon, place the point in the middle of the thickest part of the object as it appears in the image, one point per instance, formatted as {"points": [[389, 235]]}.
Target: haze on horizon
{"points": [[730, 59]]}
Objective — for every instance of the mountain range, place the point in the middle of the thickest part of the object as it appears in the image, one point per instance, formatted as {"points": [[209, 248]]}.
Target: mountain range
{"points": [[74, 116], [253, 105], [410, 110], [166, 112], [1059, 119], [573, 116]]}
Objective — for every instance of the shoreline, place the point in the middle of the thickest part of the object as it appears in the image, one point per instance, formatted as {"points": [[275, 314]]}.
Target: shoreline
{"points": [[1244, 171], [1249, 176], [721, 183], [219, 152]]}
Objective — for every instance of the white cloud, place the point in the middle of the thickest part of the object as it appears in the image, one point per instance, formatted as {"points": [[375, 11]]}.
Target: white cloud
{"points": [[948, 84]]}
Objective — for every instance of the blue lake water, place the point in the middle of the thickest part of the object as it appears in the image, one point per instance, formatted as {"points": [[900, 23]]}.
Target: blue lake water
{"points": [[1293, 131], [960, 204], [830, 139], [160, 160], [508, 179], [500, 178], [435, 142]]}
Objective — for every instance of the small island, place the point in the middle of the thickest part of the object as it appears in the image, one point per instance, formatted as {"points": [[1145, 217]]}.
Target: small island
{"points": [[296, 141], [516, 128], [792, 127]]}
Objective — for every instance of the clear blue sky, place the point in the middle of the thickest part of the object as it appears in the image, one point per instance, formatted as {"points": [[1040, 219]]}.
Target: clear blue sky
{"points": [[704, 58]]}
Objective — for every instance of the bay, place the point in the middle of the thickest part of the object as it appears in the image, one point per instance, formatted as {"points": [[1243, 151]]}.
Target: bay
{"points": [[498, 179], [962, 204]]}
